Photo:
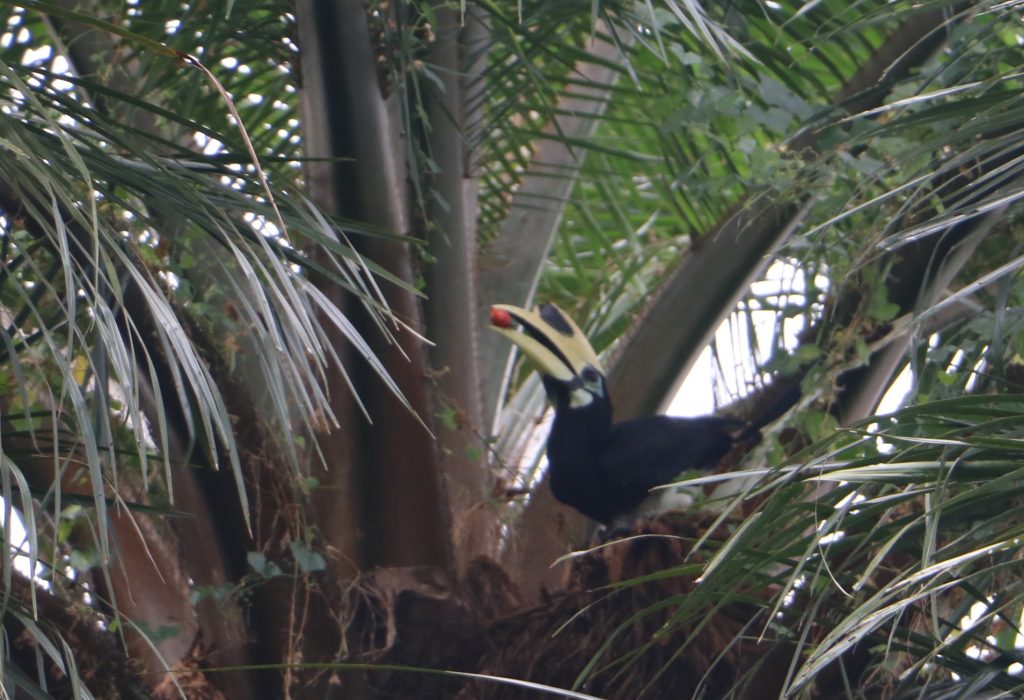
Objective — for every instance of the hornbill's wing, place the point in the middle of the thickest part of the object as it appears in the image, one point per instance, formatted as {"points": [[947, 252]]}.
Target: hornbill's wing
{"points": [[652, 451]]}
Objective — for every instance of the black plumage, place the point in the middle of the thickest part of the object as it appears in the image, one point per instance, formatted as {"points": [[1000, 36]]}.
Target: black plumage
{"points": [[605, 469]]}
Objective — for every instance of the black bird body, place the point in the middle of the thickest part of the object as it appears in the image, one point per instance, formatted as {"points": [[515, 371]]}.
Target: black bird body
{"points": [[600, 468], [604, 469]]}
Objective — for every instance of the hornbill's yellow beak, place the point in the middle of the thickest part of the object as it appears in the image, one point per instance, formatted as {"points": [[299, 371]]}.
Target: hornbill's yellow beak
{"points": [[556, 345]]}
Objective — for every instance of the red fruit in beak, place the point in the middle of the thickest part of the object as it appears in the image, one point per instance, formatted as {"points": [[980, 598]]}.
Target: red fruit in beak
{"points": [[500, 318]]}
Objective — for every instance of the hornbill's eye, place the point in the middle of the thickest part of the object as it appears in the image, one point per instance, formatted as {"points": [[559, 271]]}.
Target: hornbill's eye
{"points": [[591, 378]]}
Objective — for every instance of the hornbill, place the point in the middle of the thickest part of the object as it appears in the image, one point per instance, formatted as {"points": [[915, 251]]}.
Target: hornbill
{"points": [[600, 468]]}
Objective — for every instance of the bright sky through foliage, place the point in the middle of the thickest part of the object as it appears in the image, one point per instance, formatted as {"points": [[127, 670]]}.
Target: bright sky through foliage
{"points": [[727, 371]]}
